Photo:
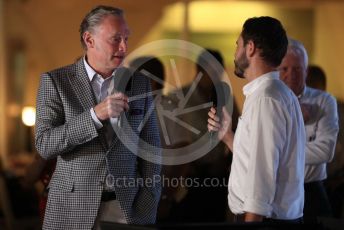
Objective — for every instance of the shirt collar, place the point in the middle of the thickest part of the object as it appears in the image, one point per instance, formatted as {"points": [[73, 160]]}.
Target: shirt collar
{"points": [[91, 73], [302, 93], [252, 86]]}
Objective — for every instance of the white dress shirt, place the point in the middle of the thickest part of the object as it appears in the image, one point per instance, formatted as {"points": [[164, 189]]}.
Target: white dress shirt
{"points": [[101, 90], [267, 172], [321, 132]]}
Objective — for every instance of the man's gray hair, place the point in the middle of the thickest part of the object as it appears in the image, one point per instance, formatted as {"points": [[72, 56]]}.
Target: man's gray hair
{"points": [[95, 17], [298, 47]]}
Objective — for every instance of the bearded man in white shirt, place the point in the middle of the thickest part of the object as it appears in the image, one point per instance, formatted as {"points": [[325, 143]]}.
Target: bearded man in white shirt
{"points": [[266, 179], [319, 110]]}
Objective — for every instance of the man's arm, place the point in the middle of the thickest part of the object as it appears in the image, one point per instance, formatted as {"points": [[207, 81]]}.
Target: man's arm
{"points": [[321, 149], [54, 135], [267, 136]]}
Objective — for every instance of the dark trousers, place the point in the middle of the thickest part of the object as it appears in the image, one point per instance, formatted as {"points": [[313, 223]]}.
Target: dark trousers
{"points": [[316, 202]]}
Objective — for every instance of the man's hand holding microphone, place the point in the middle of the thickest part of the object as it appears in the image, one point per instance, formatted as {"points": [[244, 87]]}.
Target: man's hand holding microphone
{"points": [[222, 127], [220, 122]]}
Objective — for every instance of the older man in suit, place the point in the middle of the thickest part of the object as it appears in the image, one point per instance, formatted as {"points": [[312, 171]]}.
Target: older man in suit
{"points": [[97, 135]]}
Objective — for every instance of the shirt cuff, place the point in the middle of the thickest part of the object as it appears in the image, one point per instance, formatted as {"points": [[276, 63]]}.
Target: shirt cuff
{"points": [[257, 207], [95, 119]]}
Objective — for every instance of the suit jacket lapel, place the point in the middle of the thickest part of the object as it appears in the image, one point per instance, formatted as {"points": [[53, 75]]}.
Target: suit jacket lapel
{"points": [[81, 85]]}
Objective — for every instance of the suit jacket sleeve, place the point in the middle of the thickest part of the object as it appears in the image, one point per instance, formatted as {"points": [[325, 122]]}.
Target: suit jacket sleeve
{"points": [[55, 134]]}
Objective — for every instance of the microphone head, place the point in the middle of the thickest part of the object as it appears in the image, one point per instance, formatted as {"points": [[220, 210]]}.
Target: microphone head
{"points": [[122, 79], [220, 94]]}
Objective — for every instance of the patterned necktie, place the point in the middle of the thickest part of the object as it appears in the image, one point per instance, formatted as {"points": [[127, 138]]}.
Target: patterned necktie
{"points": [[109, 132]]}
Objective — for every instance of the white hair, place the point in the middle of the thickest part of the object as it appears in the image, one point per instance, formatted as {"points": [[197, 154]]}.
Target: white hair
{"points": [[95, 17], [299, 48]]}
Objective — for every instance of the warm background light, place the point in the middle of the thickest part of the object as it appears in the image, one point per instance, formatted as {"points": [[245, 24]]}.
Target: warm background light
{"points": [[229, 16], [29, 116]]}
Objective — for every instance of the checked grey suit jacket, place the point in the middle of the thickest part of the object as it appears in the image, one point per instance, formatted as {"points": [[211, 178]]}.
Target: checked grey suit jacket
{"points": [[65, 129]]}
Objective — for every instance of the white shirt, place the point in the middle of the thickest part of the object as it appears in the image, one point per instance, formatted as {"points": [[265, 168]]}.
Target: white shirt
{"points": [[267, 170], [100, 88], [321, 132]]}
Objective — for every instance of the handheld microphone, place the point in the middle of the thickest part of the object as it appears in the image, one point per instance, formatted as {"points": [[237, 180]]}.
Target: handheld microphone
{"points": [[219, 96], [122, 80]]}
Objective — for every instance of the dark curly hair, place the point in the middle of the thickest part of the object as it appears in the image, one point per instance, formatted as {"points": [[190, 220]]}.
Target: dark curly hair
{"points": [[269, 36]]}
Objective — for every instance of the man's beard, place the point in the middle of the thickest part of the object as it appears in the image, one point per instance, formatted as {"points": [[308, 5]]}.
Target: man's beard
{"points": [[241, 65]]}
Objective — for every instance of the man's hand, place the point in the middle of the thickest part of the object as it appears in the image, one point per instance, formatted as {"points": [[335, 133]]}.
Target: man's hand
{"points": [[223, 129], [112, 106]]}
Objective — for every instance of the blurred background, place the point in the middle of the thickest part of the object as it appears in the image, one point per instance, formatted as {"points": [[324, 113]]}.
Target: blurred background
{"points": [[40, 35]]}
